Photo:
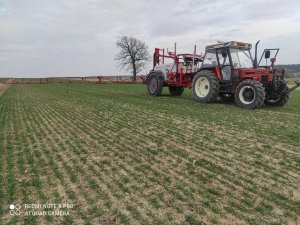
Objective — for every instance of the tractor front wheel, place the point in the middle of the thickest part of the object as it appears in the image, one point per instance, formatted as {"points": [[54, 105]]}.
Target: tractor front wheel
{"points": [[206, 87], [155, 84], [282, 99], [250, 94], [176, 91]]}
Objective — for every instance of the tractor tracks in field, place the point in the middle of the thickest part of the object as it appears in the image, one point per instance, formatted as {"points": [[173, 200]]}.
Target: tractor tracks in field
{"points": [[4, 87]]}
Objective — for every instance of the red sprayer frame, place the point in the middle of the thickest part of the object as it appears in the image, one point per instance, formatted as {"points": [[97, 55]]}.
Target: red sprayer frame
{"points": [[177, 76]]}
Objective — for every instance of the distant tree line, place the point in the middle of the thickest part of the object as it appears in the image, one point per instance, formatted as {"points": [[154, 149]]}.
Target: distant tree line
{"points": [[292, 70]]}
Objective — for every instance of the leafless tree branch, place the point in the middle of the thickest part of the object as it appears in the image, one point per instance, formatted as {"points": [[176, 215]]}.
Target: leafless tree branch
{"points": [[133, 54]]}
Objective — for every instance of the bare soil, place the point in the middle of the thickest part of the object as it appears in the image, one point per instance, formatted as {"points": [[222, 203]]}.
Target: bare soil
{"points": [[3, 88]]}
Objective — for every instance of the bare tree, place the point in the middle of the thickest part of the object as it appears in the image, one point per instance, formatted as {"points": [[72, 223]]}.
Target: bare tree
{"points": [[133, 54]]}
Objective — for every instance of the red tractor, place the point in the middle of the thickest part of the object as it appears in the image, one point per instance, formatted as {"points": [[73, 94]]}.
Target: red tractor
{"points": [[227, 71]]}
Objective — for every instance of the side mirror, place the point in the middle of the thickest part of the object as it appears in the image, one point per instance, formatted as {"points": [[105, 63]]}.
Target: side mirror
{"points": [[273, 60], [224, 54], [267, 54]]}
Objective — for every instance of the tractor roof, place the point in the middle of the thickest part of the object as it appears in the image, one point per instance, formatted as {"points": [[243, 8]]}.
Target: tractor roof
{"points": [[232, 44]]}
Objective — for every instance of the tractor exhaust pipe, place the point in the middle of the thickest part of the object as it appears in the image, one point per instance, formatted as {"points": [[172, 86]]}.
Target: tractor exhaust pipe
{"points": [[255, 56]]}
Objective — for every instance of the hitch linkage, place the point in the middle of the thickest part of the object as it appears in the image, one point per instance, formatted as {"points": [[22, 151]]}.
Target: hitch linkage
{"points": [[293, 88]]}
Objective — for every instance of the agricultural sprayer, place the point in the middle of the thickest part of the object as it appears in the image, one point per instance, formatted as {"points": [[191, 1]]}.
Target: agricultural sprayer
{"points": [[227, 70]]}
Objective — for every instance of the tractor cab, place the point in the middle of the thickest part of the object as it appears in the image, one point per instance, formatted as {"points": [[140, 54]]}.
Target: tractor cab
{"points": [[229, 57]]}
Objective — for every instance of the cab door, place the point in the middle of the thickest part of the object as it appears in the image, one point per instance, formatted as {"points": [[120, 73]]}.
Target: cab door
{"points": [[224, 64]]}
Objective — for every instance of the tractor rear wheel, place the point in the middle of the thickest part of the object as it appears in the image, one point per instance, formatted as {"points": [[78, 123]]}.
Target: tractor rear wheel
{"points": [[227, 97], [176, 91], [281, 100], [250, 94], [155, 84], [205, 86]]}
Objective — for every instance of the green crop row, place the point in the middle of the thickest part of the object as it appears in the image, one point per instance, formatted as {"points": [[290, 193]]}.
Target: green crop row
{"points": [[123, 157]]}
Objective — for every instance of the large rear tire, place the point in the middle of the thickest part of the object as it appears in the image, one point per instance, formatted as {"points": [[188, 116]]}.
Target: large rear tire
{"points": [[176, 91], [155, 84], [281, 100], [250, 94], [206, 87]]}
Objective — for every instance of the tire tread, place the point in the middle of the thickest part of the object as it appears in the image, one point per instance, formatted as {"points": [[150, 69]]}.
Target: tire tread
{"points": [[215, 85], [261, 94]]}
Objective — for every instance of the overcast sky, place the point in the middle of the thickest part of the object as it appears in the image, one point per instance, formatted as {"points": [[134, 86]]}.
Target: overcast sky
{"points": [[77, 37]]}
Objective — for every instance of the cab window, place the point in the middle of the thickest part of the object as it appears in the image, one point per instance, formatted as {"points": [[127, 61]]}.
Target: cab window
{"points": [[210, 59]]}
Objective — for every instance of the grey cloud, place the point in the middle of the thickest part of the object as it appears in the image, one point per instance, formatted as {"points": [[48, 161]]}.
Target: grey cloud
{"points": [[78, 37]]}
